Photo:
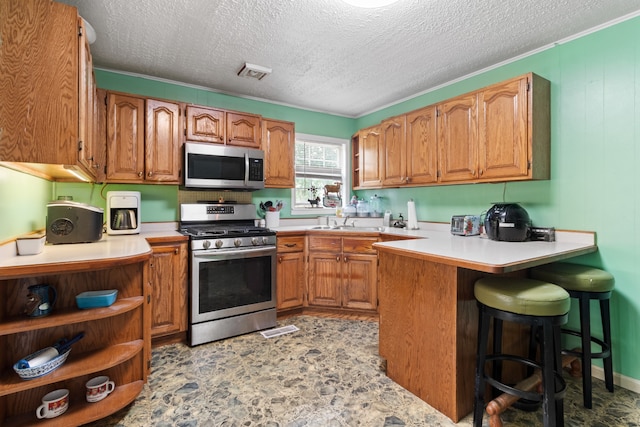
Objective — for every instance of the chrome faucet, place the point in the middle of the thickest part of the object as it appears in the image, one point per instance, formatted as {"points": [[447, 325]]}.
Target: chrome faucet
{"points": [[346, 218]]}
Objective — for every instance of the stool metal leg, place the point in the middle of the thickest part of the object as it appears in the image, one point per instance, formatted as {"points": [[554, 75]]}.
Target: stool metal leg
{"points": [[549, 407], [480, 385], [557, 350], [606, 330], [497, 349], [585, 331]]}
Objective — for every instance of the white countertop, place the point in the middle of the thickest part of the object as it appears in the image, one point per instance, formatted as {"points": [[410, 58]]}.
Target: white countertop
{"points": [[109, 247], [435, 242]]}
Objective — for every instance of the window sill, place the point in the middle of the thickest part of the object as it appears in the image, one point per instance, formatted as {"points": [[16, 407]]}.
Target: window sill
{"points": [[312, 211]]}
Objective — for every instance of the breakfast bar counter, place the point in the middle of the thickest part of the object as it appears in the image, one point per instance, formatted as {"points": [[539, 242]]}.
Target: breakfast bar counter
{"points": [[428, 313]]}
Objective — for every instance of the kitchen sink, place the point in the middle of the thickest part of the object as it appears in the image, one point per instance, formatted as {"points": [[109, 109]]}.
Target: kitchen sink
{"points": [[346, 228]]}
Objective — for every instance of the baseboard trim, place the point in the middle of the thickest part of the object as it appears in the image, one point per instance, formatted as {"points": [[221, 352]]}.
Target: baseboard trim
{"points": [[628, 383]]}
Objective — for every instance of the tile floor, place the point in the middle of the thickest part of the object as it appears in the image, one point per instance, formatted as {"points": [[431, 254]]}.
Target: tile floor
{"points": [[326, 374]]}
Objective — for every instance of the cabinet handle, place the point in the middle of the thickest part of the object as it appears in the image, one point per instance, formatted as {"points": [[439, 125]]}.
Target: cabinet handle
{"points": [[140, 174], [176, 251], [291, 245], [338, 258], [150, 173], [481, 172], [407, 180], [280, 260], [345, 259]]}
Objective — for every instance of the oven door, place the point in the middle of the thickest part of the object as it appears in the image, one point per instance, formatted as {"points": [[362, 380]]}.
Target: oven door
{"points": [[227, 283]]}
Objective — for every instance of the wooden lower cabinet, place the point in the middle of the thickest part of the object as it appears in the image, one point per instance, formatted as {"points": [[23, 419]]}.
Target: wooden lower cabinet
{"points": [[116, 339], [168, 276], [290, 272], [343, 272]]}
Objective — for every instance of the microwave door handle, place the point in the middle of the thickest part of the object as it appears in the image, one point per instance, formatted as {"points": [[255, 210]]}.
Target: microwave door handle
{"points": [[246, 169]]}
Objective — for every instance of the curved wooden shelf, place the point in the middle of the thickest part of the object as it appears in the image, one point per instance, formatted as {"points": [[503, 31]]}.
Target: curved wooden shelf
{"points": [[75, 366], [68, 267], [81, 412], [69, 316]]}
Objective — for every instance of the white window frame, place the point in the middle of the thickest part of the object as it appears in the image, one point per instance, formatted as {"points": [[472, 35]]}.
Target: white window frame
{"points": [[346, 176]]}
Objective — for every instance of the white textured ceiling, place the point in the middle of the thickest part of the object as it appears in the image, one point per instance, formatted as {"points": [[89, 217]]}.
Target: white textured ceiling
{"points": [[325, 54]]}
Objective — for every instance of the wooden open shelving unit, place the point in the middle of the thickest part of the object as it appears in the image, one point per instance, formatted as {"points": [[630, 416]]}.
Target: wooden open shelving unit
{"points": [[116, 339]]}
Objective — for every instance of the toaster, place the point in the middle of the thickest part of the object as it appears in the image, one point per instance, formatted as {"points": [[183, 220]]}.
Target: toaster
{"points": [[73, 222], [465, 225]]}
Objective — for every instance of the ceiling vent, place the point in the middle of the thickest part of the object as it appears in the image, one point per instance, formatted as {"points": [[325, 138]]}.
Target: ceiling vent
{"points": [[254, 71]]}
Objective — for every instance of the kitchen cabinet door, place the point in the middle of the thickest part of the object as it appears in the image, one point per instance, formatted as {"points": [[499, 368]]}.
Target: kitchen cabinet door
{"points": [[290, 284], [325, 279], [360, 281], [162, 143], [458, 138], [243, 129], [422, 146], [87, 132], [278, 143], [370, 157], [205, 124], [503, 130], [168, 277], [290, 272], [394, 162], [125, 138]]}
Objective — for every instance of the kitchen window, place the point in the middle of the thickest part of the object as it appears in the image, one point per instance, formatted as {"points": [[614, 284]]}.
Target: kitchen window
{"points": [[319, 161]]}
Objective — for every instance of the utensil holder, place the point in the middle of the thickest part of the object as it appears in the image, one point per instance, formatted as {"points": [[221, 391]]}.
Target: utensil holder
{"points": [[272, 219]]}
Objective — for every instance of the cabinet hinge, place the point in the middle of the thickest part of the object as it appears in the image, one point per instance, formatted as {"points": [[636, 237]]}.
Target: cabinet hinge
{"points": [[529, 165], [437, 112], [148, 364], [148, 299], [79, 31], [79, 145], [528, 86]]}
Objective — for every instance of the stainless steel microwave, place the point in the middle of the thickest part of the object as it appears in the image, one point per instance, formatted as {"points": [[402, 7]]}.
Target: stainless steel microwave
{"points": [[223, 167]]}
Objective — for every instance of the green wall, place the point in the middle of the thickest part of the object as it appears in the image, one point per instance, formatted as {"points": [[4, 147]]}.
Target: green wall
{"points": [[595, 184]]}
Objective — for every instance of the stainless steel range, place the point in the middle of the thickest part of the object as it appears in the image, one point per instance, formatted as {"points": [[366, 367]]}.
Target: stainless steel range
{"points": [[233, 271]]}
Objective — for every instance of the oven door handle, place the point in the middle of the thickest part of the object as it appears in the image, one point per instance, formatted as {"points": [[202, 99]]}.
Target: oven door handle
{"points": [[271, 250]]}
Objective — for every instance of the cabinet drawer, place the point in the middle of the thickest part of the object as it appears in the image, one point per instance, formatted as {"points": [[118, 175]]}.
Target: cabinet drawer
{"points": [[290, 244], [331, 244], [362, 245]]}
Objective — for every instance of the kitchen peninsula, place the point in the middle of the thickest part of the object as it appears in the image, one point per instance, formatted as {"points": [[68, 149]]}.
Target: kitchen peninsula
{"points": [[428, 313]]}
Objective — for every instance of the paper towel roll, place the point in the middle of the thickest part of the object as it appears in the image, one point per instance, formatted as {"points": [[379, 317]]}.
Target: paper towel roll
{"points": [[412, 220]]}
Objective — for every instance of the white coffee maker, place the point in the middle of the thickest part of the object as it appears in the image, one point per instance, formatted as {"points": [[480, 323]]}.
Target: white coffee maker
{"points": [[123, 212]]}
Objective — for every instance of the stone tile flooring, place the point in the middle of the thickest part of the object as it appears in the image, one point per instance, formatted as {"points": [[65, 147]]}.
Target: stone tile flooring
{"points": [[326, 374]]}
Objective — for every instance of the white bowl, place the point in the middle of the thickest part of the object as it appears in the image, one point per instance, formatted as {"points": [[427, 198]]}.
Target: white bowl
{"points": [[30, 245]]}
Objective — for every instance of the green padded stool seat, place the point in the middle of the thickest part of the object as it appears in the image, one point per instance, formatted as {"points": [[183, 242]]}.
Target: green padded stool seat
{"points": [[544, 307], [585, 284], [522, 296]]}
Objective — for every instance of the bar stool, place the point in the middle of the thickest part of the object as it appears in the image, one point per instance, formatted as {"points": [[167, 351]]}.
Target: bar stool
{"points": [[585, 283], [540, 305]]}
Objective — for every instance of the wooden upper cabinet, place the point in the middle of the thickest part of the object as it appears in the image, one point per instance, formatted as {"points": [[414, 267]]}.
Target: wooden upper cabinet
{"points": [[205, 124], [278, 143], [458, 138], [422, 146], [162, 144], [370, 157], [495, 134], [143, 140], [243, 129], [45, 76], [394, 163], [125, 137]]}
